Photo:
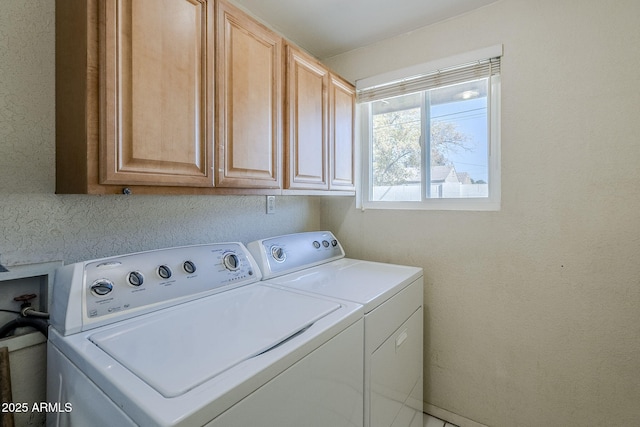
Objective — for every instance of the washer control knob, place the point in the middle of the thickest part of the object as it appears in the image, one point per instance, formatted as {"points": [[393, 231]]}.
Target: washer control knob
{"points": [[325, 243], [101, 287], [316, 244], [164, 271], [231, 261], [135, 278], [189, 267], [278, 253]]}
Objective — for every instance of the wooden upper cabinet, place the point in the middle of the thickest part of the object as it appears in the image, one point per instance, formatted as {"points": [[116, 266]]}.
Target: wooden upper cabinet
{"points": [[156, 92], [320, 111], [307, 122], [189, 97], [341, 134], [134, 95], [249, 101]]}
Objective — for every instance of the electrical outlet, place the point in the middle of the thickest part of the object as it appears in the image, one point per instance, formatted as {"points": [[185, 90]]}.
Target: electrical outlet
{"points": [[271, 204]]}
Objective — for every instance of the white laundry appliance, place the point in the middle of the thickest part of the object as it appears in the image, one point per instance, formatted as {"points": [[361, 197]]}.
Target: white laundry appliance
{"points": [[392, 297], [189, 336]]}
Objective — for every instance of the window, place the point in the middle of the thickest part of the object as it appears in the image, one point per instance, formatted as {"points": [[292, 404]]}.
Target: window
{"points": [[431, 141]]}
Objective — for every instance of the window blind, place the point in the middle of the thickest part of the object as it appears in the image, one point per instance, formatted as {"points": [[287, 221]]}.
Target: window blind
{"points": [[443, 77]]}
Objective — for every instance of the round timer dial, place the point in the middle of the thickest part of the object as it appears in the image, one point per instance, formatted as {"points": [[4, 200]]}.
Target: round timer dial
{"points": [[231, 262]]}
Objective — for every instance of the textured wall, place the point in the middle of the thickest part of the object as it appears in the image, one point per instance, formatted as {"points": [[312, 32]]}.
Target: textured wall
{"points": [[37, 225], [533, 312]]}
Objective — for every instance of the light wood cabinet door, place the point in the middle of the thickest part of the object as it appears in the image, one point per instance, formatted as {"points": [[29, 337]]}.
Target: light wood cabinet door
{"points": [[307, 121], [156, 92], [249, 113], [341, 131]]}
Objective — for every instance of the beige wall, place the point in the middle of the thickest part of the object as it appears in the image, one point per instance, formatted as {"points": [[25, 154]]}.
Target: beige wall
{"points": [[36, 225], [533, 312]]}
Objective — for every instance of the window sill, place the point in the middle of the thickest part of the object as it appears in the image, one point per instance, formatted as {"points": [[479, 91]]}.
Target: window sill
{"points": [[438, 205]]}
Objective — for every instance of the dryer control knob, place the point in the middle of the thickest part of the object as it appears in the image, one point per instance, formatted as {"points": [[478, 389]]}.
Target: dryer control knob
{"points": [[278, 253], [231, 262], [101, 287], [135, 278]]}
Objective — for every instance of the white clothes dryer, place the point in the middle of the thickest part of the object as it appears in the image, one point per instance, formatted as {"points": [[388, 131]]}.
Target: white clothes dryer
{"points": [[189, 336], [392, 296]]}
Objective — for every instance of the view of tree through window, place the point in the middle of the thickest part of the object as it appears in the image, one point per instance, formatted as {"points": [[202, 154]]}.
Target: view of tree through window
{"points": [[451, 123]]}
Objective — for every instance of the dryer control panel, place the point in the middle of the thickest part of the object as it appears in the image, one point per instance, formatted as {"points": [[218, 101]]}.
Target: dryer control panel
{"points": [[292, 252], [98, 292]]}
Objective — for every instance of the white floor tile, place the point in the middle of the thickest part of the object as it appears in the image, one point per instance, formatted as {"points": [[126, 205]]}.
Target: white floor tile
{"points": [[430, 421]]}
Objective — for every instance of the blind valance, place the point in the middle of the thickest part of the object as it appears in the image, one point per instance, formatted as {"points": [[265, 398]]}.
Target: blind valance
{"points": [[437, 78]]}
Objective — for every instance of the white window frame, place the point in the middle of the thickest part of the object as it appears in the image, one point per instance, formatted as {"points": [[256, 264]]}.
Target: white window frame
{"points": [[490, 203]]}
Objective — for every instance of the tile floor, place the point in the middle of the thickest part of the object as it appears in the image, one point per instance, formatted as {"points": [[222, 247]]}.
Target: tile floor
{"points": [[430, 421]]}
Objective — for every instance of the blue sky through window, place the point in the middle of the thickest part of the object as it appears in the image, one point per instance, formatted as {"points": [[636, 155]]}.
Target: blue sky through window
{"points": [[470, 117]]}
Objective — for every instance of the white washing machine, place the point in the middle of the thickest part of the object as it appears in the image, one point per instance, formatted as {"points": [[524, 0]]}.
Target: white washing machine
{"points": [[189, 336], [392, 297]]}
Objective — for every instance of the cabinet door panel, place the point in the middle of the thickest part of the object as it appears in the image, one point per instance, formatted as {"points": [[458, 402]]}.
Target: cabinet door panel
{"points": [[342, 103], [249, 118], [307, 122], [156, 92]]}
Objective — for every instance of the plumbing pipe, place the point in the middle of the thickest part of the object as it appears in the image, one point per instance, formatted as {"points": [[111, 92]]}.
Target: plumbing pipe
{"points": [[20, 322]]}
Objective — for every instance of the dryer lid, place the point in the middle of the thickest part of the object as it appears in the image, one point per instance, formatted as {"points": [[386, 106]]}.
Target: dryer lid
{"points": [[365, 282], [179, 348]]}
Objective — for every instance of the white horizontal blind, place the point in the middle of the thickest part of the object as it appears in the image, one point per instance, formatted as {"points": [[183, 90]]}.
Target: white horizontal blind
{"points": [[437, 78]]}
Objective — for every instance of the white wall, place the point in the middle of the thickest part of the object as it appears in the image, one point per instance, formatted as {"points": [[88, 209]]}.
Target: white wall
{"points": [[533, 312], [36, 225]]}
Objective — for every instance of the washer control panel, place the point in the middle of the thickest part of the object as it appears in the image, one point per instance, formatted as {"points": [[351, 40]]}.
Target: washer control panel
{"points": [[130, 282], [285, 254]]}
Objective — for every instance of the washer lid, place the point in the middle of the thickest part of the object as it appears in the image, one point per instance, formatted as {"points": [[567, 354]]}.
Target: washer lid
{"points": [[177, 349]]}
